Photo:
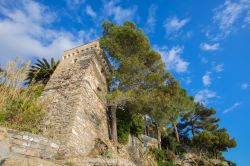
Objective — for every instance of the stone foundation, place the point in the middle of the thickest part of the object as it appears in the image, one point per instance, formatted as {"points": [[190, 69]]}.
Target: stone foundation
{"points": [[26, 144]]}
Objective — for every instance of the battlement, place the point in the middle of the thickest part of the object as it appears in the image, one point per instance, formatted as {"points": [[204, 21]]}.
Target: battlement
{"points": [[81, 49], [85, 50]]}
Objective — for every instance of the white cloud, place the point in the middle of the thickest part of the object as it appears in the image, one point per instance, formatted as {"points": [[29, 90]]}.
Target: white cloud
{"points": [[26, 33], [205, 95], [233, 107], [245, 86], [206, 79], [231, 16], [90, 11], [209, 47], [173, 59], [173, 25], [218, 68], [151, 20], [117, 12]]}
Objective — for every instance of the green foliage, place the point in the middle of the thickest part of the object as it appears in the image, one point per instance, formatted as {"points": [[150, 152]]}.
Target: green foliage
{"points": [[41, 71], [213, 142], [163, 157], [136, 68], [139, 83], [20, 107], [123, 126], [204, 141], [199, 119], [128, 123], [223, 141], [137, 125], [170, 143]]}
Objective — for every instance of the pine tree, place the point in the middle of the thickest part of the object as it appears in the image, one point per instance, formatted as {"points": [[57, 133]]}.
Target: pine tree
{"points": [[179, 103], [199, 119], [223, 142], [136, 68]]}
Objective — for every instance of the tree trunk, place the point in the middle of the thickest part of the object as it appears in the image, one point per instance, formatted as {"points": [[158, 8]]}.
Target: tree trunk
{"points": [[192, 131], [192, 128], [176, 133], [114, 124], [158, 136]]}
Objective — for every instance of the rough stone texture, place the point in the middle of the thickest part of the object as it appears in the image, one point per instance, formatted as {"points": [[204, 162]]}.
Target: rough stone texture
{"points": [[76, 91], [20, 160], [134, 147], [101, 162], [17, 142], [191, 159]]}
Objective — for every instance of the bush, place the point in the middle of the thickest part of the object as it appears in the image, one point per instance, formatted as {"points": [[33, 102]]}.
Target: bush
{"points": [[123, 126], [170, 143], [19, 105], [163, 157], [128, 123], [137, 126]]}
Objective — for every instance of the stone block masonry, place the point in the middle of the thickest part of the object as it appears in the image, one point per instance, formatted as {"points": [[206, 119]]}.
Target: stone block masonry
{"points": [[24, 143], [77, 109]]}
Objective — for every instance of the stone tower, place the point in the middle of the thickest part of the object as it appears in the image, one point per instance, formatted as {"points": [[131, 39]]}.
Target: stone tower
{"points": [[76, 92]]}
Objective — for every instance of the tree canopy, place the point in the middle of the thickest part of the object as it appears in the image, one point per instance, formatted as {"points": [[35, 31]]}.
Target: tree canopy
{"points": [[139, 84]]}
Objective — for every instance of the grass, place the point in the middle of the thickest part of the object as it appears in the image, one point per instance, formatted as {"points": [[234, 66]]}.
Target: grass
{"points": [[20, 107]]}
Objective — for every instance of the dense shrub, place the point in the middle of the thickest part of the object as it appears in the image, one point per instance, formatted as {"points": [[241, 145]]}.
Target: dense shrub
{"points": [[170, 143], [19, 105], [128, 123], [123, 126], [163, 157], [137, 126]]}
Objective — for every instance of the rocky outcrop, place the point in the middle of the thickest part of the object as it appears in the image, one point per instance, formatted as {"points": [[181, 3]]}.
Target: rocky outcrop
{"points": [[191, 159]]}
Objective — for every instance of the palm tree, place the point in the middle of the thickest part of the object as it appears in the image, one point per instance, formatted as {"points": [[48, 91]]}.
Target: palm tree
{"points": [[41, 71]]}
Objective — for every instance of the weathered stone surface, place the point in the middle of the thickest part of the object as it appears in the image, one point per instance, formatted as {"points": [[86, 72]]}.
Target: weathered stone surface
{"points": [[77, 111], [20, 160], [101, 162], [18, 142], [191, 159], [4, 145]]}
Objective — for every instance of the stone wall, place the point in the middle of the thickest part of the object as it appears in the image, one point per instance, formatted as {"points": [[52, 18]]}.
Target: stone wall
{"points": [[24, 143], [102, 162], [76, 92]]}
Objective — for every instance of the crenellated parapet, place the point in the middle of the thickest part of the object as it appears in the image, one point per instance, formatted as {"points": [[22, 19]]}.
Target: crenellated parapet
{"points": [[85, 50]]}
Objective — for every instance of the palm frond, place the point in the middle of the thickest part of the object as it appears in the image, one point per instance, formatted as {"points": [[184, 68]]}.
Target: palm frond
{"points": [[41, 71]]}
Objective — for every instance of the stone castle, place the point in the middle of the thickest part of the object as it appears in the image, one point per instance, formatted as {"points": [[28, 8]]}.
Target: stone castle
{"points": [[76, 116]]}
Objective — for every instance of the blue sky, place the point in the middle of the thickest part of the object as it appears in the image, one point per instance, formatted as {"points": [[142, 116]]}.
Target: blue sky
{"points": [[204, 43]]}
